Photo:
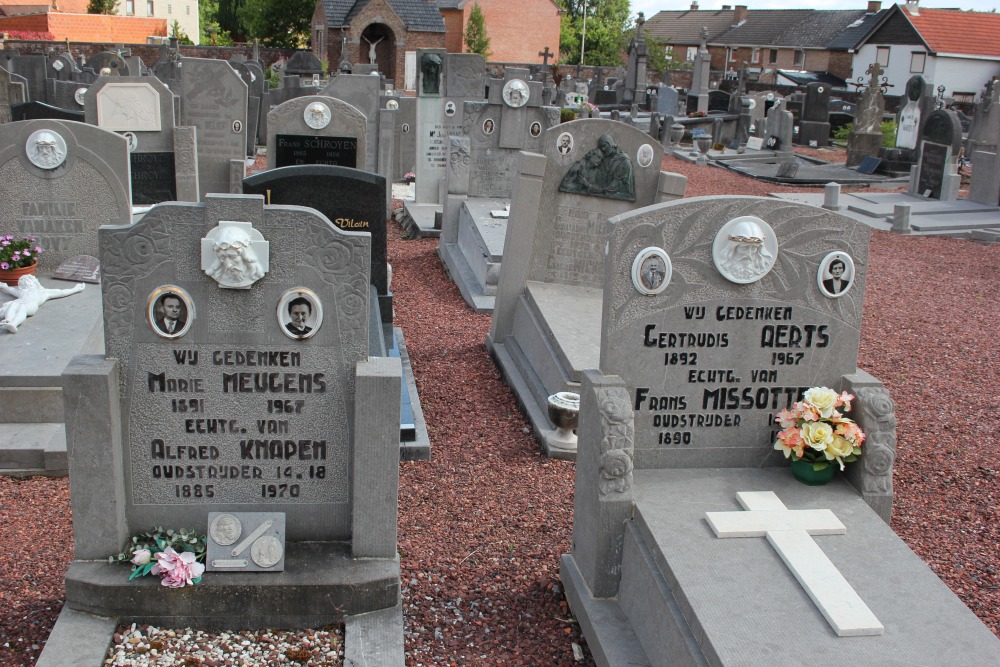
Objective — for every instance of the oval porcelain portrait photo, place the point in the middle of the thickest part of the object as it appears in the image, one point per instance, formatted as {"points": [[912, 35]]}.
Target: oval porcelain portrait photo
{"points": [[835, 275], [651, 271], [300, 313], [170, 311]]}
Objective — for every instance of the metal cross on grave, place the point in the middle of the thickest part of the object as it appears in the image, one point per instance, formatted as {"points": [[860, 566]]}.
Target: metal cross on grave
{"points": [[789, 533], [546, 54]]}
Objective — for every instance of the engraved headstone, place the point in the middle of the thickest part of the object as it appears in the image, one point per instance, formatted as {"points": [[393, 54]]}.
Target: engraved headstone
{"points": [[259, 403], [63, 181], [316, 130], [214, 100], [936, 175], [814, 125], [554, 257], [352, 199], [142, 110], [83, 268]]}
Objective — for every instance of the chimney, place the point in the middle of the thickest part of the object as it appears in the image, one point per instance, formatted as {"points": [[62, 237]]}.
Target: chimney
{"points": [[874, 6], [739, 14], [694, 5], [726, 8], [913, 7]]}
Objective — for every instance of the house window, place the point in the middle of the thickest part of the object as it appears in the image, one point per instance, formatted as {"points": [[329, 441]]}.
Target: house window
{"points": [[692, 53], [187, 10], [149, 7], [755, 56], [774, 56], [963, 98], [917, 61], [170, 9], [882, 56], [668, 51], [800, 57], [130, 7]]}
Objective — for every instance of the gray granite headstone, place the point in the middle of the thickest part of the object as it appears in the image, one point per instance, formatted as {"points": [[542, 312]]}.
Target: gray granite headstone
{"points": [[316, 129], [85, 187], [936, 173], [214, 100], [142, 110], [229, 411], [708, 362], [361, 92]]}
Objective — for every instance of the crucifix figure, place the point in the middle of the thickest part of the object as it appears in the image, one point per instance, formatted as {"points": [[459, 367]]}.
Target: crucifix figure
{"points": [[789, 532], [371, 48], [30, 295]]}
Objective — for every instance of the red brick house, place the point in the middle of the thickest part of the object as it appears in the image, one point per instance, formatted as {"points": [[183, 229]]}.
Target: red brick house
{"points": [[518, 29], [768, 39]]}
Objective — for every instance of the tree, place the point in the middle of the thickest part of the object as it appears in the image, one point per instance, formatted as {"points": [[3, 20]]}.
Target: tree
{"points": [[208, 21], [102, 7], [230, 18], [608, 26], [283, 23], [476, 39]]}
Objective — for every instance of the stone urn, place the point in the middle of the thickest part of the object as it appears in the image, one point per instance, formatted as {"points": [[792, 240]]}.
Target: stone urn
{"points": [[676, 134], [564, 413], [704, 143]]}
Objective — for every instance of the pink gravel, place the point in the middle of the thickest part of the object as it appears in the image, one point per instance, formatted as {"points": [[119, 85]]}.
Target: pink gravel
{"points": [[481, 527]]}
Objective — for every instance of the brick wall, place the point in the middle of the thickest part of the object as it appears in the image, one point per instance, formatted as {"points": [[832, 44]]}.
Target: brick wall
{"points": [[519, 29], [89, 27], [148, 52], [454, 25]]}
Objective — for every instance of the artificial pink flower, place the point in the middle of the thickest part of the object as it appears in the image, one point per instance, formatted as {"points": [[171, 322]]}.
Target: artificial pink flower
{"points": [[177, 569]]}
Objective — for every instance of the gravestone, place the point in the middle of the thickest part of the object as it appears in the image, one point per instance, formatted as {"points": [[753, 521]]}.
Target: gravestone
{"points": [[404, 136], [344, 195], [545, 329], [697, 98], [815, 123], [982, 145], [63, 181], [919, 102], [41, 111], [303, 423], [142, 110], [354, 201], [936, 173], [445, 82], [718, 100], [865, 138], [316, 130], [11, 93], [304, 63], [482, 168], [678, 425], [779, 128], [214, 101], [666, 100]]}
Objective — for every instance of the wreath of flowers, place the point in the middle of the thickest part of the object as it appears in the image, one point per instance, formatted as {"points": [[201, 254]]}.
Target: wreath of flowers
{"points": [[815, 430]]}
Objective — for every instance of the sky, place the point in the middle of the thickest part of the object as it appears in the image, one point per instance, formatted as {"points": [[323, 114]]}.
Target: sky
{"points": [[651, 7]]}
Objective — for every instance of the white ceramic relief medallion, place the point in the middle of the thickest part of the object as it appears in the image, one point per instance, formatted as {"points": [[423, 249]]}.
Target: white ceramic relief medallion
{"points": [[235, 254], [745, 249]]}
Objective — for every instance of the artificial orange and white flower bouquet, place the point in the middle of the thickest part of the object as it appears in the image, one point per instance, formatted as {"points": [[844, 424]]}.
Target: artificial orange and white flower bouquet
{"points": [[816, 430]]}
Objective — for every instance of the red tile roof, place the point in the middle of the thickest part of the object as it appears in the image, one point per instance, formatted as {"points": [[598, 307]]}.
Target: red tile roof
{"points": [[951, 31]]}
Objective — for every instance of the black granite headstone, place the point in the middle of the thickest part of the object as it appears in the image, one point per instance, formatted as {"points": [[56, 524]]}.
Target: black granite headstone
{"points": [[933, 163], [352, 199], [154, 178], [43, 111], [294, 149]]}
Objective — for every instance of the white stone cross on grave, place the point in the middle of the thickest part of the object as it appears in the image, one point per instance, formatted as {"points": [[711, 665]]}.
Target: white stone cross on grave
{"points": [[789, 532]]}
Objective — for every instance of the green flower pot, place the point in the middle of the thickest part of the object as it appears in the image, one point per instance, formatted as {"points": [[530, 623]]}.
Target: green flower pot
{"points": [[803, 471]]}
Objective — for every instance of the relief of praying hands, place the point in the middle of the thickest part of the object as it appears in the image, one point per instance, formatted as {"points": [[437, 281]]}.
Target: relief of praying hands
{"points": [[30, 295]]}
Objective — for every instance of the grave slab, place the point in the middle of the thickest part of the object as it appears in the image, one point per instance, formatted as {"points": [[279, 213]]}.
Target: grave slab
{"points": [[689, 608]]}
